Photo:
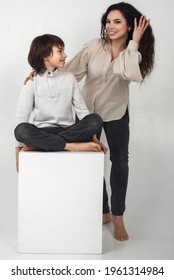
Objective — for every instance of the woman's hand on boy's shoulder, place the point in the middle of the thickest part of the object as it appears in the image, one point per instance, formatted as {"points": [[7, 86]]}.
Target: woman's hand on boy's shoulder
{"points": [[30, 77]]}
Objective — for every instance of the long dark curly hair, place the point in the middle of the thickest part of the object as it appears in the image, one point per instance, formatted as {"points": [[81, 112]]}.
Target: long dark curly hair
{"points": [[147, 42]]}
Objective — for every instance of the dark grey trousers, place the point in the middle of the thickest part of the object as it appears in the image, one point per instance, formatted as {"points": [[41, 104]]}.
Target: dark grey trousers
{"points": [[55, 138], [117, 135]]}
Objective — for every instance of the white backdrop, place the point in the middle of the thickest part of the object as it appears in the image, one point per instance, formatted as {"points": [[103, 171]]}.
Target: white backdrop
{"points": [[151, 110]]}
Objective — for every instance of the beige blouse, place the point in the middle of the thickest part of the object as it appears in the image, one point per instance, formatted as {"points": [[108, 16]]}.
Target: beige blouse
{"points": [[106, 87]]}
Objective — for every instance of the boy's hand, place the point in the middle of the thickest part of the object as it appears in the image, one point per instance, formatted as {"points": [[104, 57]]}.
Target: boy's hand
{"points": [[17, 150], [103, 147], [30, 77]]}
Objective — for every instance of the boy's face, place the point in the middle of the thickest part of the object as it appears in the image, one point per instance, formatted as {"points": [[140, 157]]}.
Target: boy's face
{"points": [[56, 59]]}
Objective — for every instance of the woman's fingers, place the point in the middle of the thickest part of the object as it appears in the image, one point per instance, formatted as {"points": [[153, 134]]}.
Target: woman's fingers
{"points": [[143, 23]]}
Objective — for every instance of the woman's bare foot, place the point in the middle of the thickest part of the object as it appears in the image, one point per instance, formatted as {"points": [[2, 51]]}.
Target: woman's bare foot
{"points": [[106, 218], [29, 148], [83, 146], [120, 232]]}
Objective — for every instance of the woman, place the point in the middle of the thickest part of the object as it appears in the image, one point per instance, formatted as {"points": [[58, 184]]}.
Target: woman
{"points": [[124, 53]]}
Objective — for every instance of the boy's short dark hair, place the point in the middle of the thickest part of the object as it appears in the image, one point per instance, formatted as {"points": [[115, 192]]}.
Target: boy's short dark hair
{"points": [[40, 48]]}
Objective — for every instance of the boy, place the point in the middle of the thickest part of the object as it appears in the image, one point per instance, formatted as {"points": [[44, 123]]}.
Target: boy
{"points": [[54, 98]]}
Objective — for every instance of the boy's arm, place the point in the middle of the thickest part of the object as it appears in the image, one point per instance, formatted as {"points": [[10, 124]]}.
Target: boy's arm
{"points": [[78, 101], [17, 150], [23, 112], [25, 103]]}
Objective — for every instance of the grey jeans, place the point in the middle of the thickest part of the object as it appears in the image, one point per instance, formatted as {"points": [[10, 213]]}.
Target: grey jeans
{"points": [[55, 138], [117, 135]]}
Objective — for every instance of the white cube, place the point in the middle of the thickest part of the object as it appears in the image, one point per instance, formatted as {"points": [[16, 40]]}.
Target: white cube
{"points": [[60, 202]]}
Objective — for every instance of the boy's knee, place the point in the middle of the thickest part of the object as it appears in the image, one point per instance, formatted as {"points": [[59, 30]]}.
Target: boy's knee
{"points": [[19, 130], [95, 122]]}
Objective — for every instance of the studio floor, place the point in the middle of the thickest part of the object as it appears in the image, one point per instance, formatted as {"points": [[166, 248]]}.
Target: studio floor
{"points": [[148, 217]]}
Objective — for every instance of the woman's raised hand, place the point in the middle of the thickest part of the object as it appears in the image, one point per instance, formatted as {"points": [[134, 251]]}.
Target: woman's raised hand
{"points": [[139, 28]]}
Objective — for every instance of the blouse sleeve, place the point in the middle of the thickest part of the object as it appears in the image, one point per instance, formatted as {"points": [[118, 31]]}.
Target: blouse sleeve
{"points": [[79, 64], [126, 65]]}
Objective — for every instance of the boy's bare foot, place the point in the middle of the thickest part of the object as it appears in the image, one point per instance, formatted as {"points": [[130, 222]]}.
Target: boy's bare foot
{"points": [[103, 147], [106, 218], [29, 148], [120, 232], [83, 146]]}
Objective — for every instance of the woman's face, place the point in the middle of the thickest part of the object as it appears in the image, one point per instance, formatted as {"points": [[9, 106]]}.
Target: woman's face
{"points": [[116, 25]]}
